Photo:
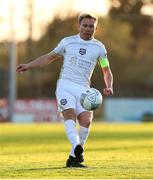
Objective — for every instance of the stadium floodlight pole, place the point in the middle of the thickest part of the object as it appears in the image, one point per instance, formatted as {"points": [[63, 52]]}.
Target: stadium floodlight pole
{"points": [[12, 66]]}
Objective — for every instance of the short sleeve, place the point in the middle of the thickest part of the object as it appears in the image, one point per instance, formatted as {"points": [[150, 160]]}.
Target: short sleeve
{"points": [[102, 53], [60, 48]]}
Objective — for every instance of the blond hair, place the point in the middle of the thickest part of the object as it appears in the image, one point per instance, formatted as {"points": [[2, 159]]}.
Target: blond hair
{"points": [[87, 15]]}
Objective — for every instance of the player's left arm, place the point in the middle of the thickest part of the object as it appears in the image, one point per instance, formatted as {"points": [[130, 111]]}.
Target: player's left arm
{"points": [[108, 76]]}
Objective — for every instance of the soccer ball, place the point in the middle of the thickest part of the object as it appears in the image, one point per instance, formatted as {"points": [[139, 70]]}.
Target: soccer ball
{"points": [[91, 99]]}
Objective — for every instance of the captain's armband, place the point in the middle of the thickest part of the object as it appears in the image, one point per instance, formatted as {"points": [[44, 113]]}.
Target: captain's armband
{"points": [[103, 62]]}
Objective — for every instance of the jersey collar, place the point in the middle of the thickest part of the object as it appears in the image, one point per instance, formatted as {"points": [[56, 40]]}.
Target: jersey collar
{"points": [[82, 40]]}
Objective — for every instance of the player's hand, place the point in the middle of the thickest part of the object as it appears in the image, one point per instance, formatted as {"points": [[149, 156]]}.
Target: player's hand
{"points": [[108, 91], [22, 67]]}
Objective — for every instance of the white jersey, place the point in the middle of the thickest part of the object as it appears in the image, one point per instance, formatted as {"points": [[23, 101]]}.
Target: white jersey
{"points": [[80, 58]]}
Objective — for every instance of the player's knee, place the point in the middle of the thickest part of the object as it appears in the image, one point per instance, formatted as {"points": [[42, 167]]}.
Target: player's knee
{"points": [[88, 122], [85, 123], [69, 114], [85, 119]]}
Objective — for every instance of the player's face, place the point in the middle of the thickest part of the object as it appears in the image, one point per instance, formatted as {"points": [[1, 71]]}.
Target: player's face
{"points": [[87, 28]]}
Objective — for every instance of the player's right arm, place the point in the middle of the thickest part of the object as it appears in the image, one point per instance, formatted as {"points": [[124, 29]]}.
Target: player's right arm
{"points": [[39, 62]]}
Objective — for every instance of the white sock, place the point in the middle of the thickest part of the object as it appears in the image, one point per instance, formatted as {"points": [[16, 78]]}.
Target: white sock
{"points": [[83, 134], [72, 134], [72, 151]]}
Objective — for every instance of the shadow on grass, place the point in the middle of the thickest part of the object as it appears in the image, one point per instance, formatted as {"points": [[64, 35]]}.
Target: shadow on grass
{"points": [[39, 169], [49, 168]]}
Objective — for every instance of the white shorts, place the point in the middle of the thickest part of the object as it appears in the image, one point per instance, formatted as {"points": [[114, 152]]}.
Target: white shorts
{"points": [[68, 96]]}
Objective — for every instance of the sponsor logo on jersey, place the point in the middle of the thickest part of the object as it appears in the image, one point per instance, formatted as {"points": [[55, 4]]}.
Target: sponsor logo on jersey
{"points": [[63, 101], [82, 51]]}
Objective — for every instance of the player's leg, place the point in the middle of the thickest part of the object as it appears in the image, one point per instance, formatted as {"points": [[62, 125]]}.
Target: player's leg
{"points": [[70, 128], [72, 134], [84, 119], [66, 104], [67, 98]]}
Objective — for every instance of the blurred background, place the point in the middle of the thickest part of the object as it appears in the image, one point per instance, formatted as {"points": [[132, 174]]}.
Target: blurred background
{"points": [[30, 28]]}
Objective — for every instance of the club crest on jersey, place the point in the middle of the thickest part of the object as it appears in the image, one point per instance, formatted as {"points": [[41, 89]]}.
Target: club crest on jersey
{"points": [[82, 51], [63, 101]]}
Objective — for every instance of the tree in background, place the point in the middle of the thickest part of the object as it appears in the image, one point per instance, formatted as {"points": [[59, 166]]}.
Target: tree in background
{"points": [[140, 70], [131, 11]]}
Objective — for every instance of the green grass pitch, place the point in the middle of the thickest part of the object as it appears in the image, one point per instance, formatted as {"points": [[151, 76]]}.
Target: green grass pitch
{"points": [[113, 151]]}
